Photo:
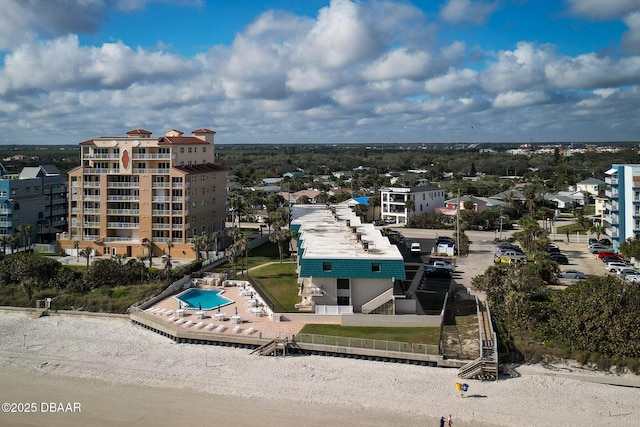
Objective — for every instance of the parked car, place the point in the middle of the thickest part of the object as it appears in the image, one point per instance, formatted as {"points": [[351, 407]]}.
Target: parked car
{"points": [[627, 271], [433, 272], [416, 249], [613, 267], [442, 264], [592, 241], [607, 259], [605, 242], [596, 248], [633, 278], [571, 274], [559, 258], [553, 248], [609, 253]]}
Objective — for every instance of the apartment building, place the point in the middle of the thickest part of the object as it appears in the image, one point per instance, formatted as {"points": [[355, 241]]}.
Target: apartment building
{"points": [[344, 266], [396, 208], [623, 205], [132, 195], [36, 197]]}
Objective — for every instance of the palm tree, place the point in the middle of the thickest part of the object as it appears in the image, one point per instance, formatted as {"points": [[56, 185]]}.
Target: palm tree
{"points": [[21, 231], [76, 246], [28, 230], [4, 241], [169, 246], [232, 255], [242, 245], [86, 253], [14, 240], [597, 229], [215, 235]]}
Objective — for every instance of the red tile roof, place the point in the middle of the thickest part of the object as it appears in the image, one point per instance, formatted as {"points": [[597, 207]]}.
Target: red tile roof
{"points": [[138, 132], [203, 130], [180, 140]]}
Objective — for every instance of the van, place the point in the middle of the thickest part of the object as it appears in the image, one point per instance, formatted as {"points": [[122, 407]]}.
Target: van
{"points": [[416, 249]]}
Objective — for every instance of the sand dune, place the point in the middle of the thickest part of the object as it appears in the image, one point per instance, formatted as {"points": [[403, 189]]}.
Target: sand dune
{"points": [[121, 373]]}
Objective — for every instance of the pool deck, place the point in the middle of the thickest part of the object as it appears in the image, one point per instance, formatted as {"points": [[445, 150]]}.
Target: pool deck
{"points": [[263, 326]]}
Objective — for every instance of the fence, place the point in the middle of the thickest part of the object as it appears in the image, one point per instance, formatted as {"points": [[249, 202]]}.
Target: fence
{"points": [[382, 345]]}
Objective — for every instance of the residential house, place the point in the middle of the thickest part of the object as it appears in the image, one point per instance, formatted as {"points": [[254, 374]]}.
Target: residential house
{"points": [[399, 203], [478, 204]]}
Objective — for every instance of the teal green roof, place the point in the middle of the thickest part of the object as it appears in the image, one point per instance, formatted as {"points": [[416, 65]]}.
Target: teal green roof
{"points": [[352, 268]]}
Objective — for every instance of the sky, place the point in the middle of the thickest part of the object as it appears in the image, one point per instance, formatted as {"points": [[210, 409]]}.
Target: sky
{"points": [[312, 71]]}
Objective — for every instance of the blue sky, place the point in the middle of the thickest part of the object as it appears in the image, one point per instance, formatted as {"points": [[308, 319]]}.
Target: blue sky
{"points": [[315, 71]]}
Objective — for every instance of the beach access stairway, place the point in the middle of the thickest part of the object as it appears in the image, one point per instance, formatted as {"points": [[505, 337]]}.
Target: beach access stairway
{"points": [[273, 348], [377, 302], [486, 365]]}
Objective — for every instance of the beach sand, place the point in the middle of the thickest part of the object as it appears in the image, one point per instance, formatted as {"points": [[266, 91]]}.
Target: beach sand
{"points": [[121, 374]]}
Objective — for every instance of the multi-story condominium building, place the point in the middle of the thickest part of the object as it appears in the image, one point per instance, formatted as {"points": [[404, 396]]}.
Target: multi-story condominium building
{"points": [[395, 205], [344, 266], [623, 192], [132, 195], [36, 199]]}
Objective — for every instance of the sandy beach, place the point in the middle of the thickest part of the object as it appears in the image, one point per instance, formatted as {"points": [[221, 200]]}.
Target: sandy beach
{"points": [[119, 374]]}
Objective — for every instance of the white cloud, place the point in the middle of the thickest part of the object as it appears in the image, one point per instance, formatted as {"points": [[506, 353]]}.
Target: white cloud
{"points": [[398, 64], [601, 9], [591, 71], [517, 69], [63, 63], [339, 38], [474, 12], [514, 99], [453, 81], [631, 39]]}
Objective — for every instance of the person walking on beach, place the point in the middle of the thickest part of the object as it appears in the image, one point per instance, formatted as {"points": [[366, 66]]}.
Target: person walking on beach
{"points": [[441, 421], [449, 421]]}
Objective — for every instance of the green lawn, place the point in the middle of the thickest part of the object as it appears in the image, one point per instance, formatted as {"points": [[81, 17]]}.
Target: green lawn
{"points": [[409, 335], [279, 282]]}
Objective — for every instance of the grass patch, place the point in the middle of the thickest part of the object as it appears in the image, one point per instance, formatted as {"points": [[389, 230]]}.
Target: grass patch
{"points": [[279, 283], [410, 335]]}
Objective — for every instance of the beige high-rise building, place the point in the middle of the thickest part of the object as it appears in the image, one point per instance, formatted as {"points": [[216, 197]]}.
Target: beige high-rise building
{"points": [[137, 191]]}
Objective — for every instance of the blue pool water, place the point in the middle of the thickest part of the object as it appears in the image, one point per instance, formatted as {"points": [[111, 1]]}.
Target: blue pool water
{"points": [[205, 299]]}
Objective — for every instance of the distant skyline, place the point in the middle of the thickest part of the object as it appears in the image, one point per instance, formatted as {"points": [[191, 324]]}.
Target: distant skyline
{"points": [[311, 71]]}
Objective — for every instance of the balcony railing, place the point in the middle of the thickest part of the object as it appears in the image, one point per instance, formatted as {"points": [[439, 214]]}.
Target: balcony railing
{"points": [[91, 225], [123, 184], [160, 212], [101, 156], [123, 225], [5, 224], [142, 171], [160, 185], [122, 198], [161, 198], [95, 171], [159, 226], [152, 156], [123, 211]]}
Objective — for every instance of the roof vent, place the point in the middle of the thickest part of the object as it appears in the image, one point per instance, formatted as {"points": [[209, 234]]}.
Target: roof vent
{"points": [[365, 246], [353, 229], [358, 236], [348, 223]]}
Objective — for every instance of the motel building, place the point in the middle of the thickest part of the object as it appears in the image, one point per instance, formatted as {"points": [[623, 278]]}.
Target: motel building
{"points": [[137, 195], [349, 271]]}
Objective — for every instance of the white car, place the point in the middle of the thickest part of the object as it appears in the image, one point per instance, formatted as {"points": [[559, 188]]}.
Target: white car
{"points": [[416, 249], [444, 264], [613, 267], [571, 274]]}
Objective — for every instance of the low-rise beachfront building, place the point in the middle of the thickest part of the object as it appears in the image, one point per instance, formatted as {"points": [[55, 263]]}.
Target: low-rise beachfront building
{"points": [[33, 205], [397, 204], [137, 195], [344, 266]]}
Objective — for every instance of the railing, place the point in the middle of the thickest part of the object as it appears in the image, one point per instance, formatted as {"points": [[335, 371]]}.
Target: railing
{"points": [[383, 345], [156, 156], [122, 198], [143, 171], [160, 226], [123, 184], [101, 171], [377, 301], [156, 184], [123, 211], [123, 225]]}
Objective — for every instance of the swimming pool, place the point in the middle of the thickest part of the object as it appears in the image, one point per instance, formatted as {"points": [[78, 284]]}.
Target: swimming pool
{"points": [[203, 299]]}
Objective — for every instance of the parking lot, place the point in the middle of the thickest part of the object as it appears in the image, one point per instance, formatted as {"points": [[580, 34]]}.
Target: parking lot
{"points": [[482, 250]]}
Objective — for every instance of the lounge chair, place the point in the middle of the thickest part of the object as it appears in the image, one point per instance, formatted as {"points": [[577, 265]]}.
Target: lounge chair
{"points": [[168, 313], [151, 309], [220, 328], [198, 325], [249, 331], [179, 321], [162, 310], [210, 326], [236, 329], [171, 319], [188, 323]]}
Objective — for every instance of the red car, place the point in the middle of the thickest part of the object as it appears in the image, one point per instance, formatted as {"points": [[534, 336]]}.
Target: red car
{"points": [[604, 254]]}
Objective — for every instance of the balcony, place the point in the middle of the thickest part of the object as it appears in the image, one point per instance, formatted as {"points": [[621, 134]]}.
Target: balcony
{"points": [[611, 180], [160, 212], [123, 211], [612, 219], [123, 184], [6, 224], [123, 225], [100, 171], [120, 239], [90, 184], [178, 185], [611, 193], [123, 198], [97, 156], [89, 211], [160, 226], [310, 290], [143, 171], [91, 225], [152, 156], [160, 185], [88, 197], [161, 199]]}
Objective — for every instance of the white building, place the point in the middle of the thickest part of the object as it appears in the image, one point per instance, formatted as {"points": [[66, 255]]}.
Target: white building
{"points": [[424, 200]]}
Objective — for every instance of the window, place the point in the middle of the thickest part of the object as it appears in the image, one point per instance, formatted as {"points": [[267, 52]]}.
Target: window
{"points": [[343, 283], [376, 267], [190, 149], [343, 301], [326, 266], [182, 150], [204, 149]]}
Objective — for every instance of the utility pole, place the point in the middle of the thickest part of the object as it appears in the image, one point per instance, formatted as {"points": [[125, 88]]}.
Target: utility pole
{"points": [[458, 223]]}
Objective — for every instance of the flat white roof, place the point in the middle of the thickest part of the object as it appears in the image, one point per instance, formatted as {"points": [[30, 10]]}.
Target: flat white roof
{"points": [[326, 235]]}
